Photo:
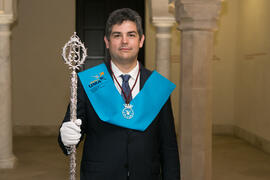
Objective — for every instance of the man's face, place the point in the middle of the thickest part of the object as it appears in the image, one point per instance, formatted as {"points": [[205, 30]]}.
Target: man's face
{"points": [[124, 43]]}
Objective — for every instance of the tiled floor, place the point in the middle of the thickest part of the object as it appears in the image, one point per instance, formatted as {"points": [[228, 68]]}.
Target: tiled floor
{"points": [[40, 158], [234, 159]]}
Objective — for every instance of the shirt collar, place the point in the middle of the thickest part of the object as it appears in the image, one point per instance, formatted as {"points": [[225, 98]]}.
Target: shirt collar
{"points": [[117, 72]]}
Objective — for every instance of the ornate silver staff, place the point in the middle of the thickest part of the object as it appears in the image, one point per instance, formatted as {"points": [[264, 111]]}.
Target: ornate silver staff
{"points": [[74, 54]]}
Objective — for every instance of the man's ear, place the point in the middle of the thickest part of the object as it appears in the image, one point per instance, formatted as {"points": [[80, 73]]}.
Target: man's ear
{"points": [[106, 42], [142, 41]]}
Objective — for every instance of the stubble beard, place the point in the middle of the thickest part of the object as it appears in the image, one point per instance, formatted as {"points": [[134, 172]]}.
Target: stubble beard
{"points": [[124, 60]]}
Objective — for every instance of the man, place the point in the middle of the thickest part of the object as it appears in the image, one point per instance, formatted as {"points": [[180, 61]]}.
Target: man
{"points": [[125, 112]]}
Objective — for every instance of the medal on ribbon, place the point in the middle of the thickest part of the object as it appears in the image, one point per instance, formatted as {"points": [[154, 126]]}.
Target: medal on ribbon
{"points": [[128, 112]]}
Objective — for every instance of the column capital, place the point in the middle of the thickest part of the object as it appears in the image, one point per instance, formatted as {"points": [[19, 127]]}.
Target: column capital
{"points": [[6, 19], [163, 21], [8, 11], [197, 14]]}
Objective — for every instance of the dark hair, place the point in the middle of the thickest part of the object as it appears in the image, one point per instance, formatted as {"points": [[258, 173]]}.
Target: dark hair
{"points": [[120, 15]]}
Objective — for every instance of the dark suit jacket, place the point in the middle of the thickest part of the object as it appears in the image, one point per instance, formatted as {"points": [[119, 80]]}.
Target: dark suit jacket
{"points": [[111, 152]]}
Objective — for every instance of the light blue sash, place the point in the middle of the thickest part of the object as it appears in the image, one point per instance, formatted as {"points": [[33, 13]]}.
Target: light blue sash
{"points": [[110, 106]]}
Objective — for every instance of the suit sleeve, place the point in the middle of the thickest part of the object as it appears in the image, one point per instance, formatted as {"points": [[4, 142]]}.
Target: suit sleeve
{"points": [[170, 164], [81, 114]]}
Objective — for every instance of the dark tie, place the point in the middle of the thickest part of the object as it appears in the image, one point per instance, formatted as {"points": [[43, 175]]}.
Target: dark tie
{"points": [[125, 87]]}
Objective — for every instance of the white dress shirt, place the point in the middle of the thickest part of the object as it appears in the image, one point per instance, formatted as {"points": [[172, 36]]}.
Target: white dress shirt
{"points": [[133, 73]]}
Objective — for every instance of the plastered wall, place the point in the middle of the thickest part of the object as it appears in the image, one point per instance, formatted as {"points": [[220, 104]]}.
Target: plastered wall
{"points": [[224, 60], [241, 69], [252, 83], [39, 75]]}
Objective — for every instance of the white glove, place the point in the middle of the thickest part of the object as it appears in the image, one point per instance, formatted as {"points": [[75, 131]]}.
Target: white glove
{"points": [[71, 132]]}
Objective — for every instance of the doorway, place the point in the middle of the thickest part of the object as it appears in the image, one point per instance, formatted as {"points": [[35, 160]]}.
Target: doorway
{"points": [[91, 18]]}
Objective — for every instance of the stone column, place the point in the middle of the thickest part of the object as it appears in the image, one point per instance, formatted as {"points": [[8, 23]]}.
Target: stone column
{"points": [[197, 20], [7, 159], [163, 44]]}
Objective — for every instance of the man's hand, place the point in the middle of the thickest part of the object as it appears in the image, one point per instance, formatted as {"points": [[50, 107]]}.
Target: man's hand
{"points": [[71, 132]]}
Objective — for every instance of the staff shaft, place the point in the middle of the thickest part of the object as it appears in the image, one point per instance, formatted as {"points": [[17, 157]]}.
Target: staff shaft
{"points": [[74, 54], [73, 117]]}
